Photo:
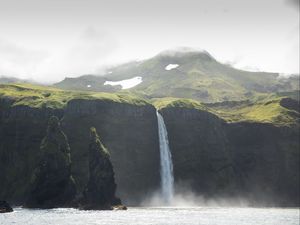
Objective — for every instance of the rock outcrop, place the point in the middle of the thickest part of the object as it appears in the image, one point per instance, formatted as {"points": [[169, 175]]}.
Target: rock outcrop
{"points": [[131, 135], [134, 153], [100, 190], [5, 207], [52, 184], [21, 130]]}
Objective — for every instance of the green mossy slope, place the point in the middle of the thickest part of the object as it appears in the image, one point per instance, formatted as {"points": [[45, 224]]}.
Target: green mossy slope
{"points": [[49, 97], [266, 110], [262, 109]]}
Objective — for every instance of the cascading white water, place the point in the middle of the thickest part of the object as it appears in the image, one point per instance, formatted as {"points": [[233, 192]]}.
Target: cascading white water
{"points": [[166, 165]]}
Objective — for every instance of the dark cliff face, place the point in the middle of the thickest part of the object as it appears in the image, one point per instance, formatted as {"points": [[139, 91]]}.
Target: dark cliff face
{"points": [[130, 134], [266, 160], [259, 162], [200, 153], [214, 158], [52, 184], [21, 130], [128, 131]]}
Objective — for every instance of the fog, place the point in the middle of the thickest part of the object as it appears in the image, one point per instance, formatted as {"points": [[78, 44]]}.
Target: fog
{"points": [[48, 40]]}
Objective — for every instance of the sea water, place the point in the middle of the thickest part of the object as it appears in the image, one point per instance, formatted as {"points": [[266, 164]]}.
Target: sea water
{"points": [[155, 216]]}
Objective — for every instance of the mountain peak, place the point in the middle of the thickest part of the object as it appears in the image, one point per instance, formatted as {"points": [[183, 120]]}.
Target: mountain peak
{"points": [[184, 52]]}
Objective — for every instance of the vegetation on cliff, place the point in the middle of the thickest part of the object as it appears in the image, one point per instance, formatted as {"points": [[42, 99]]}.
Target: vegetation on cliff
{"points": [[100, 190], [52, 184], [263, 108], [49, 97], [268, 109], [160, 103]]}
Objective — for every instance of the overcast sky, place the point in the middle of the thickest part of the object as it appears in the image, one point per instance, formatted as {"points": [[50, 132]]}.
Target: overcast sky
{"points": [[47, 40]]}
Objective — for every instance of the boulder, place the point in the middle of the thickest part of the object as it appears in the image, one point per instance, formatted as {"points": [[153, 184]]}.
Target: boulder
{"points": [[119, 207], [5, 207]]}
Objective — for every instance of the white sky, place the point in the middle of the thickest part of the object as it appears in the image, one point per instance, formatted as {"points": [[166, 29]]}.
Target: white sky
{"points": [[47, 40]]}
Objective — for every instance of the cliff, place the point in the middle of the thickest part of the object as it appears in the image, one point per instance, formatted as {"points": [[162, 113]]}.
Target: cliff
{"points": [[255, 160], [127, 126], [229, 149], [128, 131]]}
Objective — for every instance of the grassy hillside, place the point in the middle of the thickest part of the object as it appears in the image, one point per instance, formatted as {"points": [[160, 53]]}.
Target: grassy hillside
{"points": [[44, 96], [198, 76], [161, 103], [271, 108], [267, 110]]}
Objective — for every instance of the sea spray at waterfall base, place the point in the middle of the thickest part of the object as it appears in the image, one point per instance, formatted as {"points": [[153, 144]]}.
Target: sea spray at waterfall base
{"points": [[166, 165]]}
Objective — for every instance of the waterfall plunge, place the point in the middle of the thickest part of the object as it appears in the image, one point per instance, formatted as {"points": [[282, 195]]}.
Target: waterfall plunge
{"points": [[166, 165]]}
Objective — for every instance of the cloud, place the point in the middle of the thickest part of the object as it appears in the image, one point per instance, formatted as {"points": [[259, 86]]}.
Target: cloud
{"points": [[18, 60], [92, 47], [83, 54]]}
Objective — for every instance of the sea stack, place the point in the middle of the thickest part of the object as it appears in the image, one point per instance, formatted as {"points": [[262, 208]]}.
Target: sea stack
{"points": [[52, 184], [100, 190]]}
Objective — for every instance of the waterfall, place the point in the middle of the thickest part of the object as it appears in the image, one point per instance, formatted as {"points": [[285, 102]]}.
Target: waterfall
{"points": [[166, 165]]}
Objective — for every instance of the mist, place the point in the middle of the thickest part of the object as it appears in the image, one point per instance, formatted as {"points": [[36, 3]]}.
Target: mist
{"points": [[189, 198], [186, 197], [47, 41]]}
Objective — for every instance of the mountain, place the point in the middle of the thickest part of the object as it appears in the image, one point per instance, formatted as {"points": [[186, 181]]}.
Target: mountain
{"points": [[232, 133], [185, 74], [8, 80]]}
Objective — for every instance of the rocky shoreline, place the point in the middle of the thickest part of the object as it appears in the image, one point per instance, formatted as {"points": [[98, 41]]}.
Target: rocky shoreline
{"points": [[5, 207]]}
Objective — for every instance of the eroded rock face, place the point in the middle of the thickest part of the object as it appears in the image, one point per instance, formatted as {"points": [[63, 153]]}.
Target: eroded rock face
{"points": [[266, 160], [201, 157], [131, 135], [101, 187], [258, 162], [128, 131], [52, 184], [21, 130]]}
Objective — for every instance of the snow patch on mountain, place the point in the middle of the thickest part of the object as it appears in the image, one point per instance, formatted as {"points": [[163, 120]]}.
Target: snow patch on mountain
{"points": [[126, 84], [171, 66]]}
